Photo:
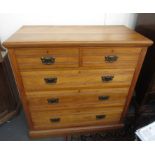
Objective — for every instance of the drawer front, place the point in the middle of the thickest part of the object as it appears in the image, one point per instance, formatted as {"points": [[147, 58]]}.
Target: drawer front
{"points": [[50, 119], [110, 57], [66, 79], [47, 58], [53, 100]]}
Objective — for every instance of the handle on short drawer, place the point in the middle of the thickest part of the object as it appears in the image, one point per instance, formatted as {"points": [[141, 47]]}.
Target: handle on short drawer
{"points": [[107, 78], [99, 117], [50, 80], [48, 60], [55, 120], [53, 100], [111, 58], [104, 97]]}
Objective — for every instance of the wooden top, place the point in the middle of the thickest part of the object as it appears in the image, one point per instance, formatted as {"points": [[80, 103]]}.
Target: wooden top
{"points": [[38, 36]]}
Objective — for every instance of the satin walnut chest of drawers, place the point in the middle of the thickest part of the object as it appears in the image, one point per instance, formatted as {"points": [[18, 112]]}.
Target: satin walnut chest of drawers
{"points": [[75, 79]]}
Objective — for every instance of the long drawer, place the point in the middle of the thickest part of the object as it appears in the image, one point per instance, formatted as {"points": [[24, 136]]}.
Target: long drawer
{"points": [[64, 119], [62, 79], [52, 100], [42, 58], [110, 57]]}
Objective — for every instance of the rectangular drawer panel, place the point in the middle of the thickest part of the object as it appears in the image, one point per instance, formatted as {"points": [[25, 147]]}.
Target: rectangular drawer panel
{"points": [[52, 100], [110, 57], [51, 119], [47, 58], [66, 79]]}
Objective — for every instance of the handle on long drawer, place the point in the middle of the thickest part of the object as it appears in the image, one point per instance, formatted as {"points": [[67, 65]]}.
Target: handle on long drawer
{"points": [[50, 80], [107, 78], [99, 117], [111, 58], [103, 97], [48, 60], [55, 120], [53, 100]]}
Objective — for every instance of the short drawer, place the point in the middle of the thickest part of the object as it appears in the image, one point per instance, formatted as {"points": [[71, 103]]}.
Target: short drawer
{"points": [[66, 79], [47, 58], [85, 117], [52, 100], [110, 57]]}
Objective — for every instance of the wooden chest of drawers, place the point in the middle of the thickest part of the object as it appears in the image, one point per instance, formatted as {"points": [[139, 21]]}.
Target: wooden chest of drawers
{"points": [[75, 78]]}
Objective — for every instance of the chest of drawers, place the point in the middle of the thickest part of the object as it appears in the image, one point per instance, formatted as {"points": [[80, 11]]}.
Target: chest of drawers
{"points": [[75, 78]]}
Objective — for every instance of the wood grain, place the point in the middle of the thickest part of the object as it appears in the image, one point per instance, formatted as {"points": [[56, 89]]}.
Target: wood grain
{"points": [[127, 57], [30, 58], [43, 36], [70, 79], [76, 99], [134, 80], [19, 84], [85, 117]]}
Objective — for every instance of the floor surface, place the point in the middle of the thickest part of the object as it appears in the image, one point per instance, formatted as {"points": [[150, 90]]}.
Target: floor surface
{"points": [[17, 130]]}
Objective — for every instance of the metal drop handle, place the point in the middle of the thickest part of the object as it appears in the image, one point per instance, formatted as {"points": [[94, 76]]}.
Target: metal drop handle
{"points": [[53, 100], [99, 117], [50, 80], [107, 78], [47, 60], [104, 97], [111, 58], [55, 120]]}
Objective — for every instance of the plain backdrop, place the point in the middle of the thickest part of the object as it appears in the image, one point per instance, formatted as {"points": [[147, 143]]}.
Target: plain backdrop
{"points": [[10, 22]]}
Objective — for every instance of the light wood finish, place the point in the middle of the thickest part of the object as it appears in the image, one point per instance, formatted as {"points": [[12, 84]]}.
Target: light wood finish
{"points": [[127, 57], [30, 58], [43, 36], [77, 99], [42, 119], [78, 62], [19, 84], [67, 79], [133, 83]]}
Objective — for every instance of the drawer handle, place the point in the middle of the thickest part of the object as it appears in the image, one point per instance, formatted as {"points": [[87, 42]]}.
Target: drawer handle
{"points": [[102, 98], [47, 60], [111, 58], [55, 120], [53, 100], [107, 78], [99, 117], [50, 80]]}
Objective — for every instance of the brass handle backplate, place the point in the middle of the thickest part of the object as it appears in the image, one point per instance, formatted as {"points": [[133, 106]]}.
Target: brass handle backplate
{"points": [[53, 100], [55, 120], [99, 117], [50, 80], [47, 60], [104, 97], [111, 58], [107, 78]]}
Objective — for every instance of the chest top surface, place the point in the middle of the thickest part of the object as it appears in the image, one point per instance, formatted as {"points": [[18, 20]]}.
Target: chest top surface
{"points": [[75, 35]]}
